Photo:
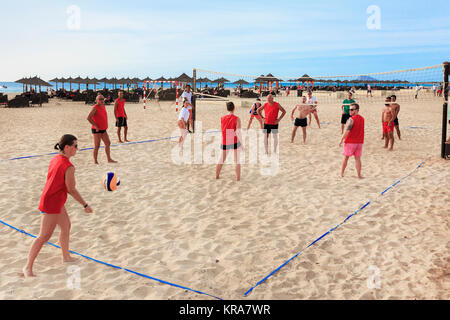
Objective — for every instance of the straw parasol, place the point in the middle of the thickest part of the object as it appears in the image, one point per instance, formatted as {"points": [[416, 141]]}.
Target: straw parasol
{"points": [[55, 80], [34, 81], [220, 80], [241, 82], [161, 79], [184, 78]]}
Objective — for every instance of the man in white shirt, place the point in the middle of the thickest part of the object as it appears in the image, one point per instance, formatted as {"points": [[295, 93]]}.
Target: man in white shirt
{"points": [[417, 91], [312, 101], [187, 94]]}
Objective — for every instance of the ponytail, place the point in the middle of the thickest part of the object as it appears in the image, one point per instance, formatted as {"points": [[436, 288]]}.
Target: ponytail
{"points": [[66, 140]]}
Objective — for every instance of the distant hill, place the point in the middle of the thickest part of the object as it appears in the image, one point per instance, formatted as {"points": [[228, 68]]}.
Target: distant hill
{"points": [[366, 78]]}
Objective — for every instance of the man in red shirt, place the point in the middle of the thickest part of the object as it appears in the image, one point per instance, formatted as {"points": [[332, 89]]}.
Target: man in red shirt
{"points": [[98, 118], [353, 138], [121, 117], [271, 120]]}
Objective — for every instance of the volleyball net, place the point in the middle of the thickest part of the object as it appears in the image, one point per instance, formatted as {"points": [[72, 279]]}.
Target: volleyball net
{"points": [[421, 84]]}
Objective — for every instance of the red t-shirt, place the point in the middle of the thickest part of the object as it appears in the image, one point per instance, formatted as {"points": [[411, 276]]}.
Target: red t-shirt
{"points": [[54, 195], [120, 110], [356, 134], [228, 124], [100, 118], [271, 112]]}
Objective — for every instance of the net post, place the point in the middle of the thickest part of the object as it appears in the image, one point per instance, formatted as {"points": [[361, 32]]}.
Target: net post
{"points": [[176, 96], [194, 84], [445, 109], [145, 94]]}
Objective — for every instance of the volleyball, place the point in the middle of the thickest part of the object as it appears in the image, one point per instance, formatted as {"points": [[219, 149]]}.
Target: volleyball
{"points": [[110, 181]]}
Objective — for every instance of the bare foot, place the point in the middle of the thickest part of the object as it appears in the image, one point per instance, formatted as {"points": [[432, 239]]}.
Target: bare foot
{"points": [[127, 140], [390, 149], [28, 273], [95, 162], [69, 259], [112, 161], [120, 141]]}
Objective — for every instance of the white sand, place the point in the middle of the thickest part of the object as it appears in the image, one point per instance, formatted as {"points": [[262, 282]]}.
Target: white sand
{"points": [[177, 223]]}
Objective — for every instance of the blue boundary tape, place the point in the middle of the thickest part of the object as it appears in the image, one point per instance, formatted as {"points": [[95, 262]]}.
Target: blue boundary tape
{"points": [[186, 288], [102, 262], [112, 145], [325, 234], [114, 266]]}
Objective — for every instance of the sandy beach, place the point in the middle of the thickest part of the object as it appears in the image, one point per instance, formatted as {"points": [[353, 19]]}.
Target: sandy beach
{"points": [[177, 223]]}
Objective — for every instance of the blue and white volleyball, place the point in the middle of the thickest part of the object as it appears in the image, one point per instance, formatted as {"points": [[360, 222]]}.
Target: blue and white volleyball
{"points": [[110, 181]]}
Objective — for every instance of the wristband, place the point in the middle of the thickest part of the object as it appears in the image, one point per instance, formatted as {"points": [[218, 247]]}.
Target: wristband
{"points": [[86, 205]]}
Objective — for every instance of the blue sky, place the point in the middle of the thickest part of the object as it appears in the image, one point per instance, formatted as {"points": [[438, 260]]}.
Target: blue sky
{"points": [[153, 38]]}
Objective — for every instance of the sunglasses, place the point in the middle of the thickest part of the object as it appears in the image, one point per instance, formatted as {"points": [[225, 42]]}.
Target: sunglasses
{"points": [[353, 109], [75, 146]]}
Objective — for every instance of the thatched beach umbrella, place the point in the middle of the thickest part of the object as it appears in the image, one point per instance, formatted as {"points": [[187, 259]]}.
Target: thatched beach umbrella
{"points": [[95, 82], [184, 78], [35, 81], [24, 82], [86, 81], [136, 81], [78, 80], [161, 79], [241, 82], [114, 81], [220, 80], [307, 79], [55, 80], [105, 81]]}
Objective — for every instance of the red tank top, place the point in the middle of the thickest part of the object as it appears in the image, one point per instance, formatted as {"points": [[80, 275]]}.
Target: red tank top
{"points": [[54, 195], [356, 134], [228, 124], [100, 118], [120, 110], [271, 112]]}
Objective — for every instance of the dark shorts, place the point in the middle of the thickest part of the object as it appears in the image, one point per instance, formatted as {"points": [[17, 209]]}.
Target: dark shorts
{"points": [[300, 122], [122, 122], [97, 131], [396, 121], [344, 118], [230, 146], [269, 127]]}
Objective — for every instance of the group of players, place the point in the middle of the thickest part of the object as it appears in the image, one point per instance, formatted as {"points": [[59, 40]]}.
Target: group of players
{"points": [[61, 179], [351, 121]]}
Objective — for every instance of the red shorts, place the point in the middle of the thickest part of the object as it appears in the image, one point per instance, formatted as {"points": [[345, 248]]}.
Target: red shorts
{"points": [[257, 116], [387, 128], [353, 149]]}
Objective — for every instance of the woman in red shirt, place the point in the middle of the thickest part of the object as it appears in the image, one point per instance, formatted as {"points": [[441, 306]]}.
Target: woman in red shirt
{"points": [[231, 139], [60, 182]]}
